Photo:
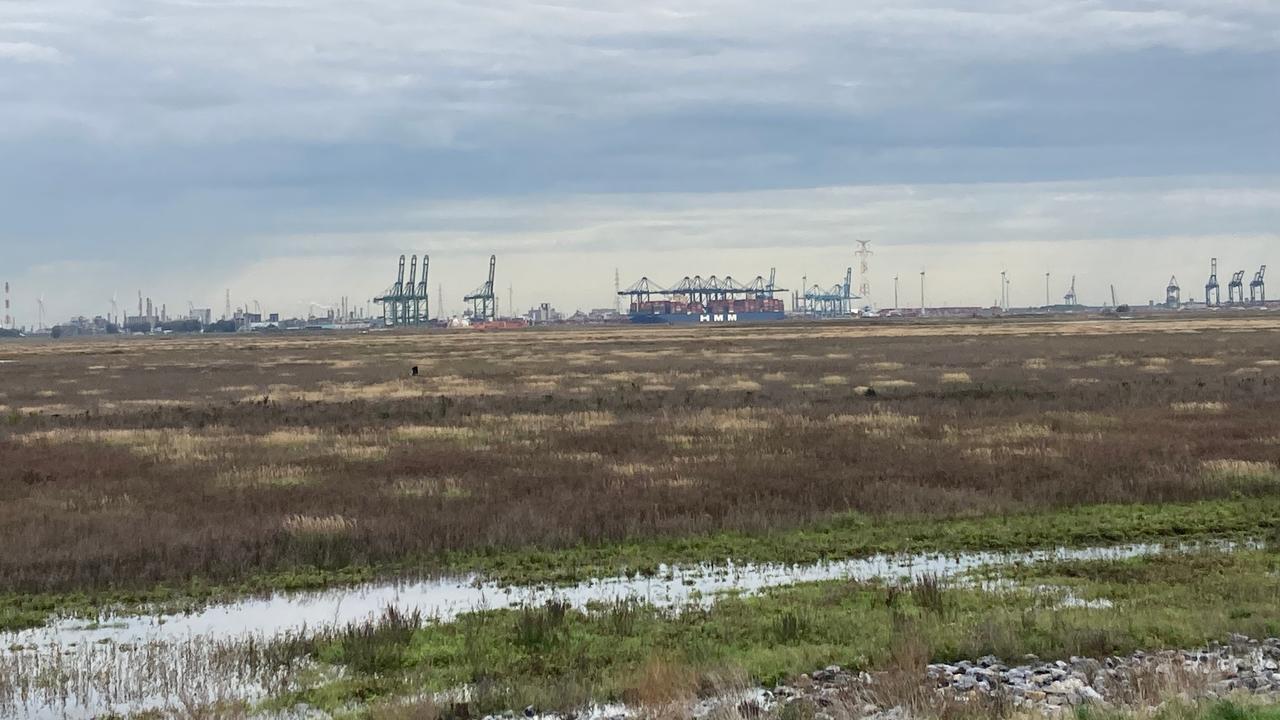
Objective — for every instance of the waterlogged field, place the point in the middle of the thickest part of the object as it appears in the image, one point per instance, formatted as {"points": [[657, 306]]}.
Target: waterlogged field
{"points": [[185, 474]]}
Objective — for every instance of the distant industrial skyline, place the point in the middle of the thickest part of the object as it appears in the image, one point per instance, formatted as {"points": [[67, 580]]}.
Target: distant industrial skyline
{"points": [[291, 151]]}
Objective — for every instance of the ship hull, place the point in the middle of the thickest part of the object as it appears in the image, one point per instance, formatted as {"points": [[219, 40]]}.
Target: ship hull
{"points": [[706, 318]]}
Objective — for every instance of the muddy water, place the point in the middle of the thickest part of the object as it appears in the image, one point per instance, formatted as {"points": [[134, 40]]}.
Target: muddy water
{"points": [[442, 599]]}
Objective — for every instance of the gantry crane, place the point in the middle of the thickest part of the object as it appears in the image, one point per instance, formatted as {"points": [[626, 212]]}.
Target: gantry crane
{"points": [[1235, 289], [391, 299], [405, 302], [1212, 294], [422, 298], [1070, 297], [408, 302], [483, 305], [1258, 288]]}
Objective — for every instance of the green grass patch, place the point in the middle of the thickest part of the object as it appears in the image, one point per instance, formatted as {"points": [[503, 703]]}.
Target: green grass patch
{"points": [[854, 536]]}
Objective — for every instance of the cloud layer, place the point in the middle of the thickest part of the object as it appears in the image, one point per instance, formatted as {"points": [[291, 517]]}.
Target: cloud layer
{"points": [[203, 139]]}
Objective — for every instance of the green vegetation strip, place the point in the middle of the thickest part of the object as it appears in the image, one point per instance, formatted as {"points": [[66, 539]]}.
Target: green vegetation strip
{"points": [[859, 536], [842, 538], [556, 657]]}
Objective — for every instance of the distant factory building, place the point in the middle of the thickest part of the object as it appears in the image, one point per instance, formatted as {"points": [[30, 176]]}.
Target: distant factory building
{"points": [[544, 314]]}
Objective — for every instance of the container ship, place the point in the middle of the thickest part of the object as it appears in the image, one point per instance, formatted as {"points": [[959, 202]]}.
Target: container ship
{"points": [[713, 311], [711, 301]]}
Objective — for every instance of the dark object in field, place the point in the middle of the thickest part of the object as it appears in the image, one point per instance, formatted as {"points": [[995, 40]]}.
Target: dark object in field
{"points": [[869, 392], [414, 371]]}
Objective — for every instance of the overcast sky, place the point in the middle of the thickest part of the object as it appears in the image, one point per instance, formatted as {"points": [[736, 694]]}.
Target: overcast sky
{"points": [[290, 150]]}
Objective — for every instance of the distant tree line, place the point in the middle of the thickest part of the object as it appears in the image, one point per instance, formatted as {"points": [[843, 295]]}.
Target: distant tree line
{"points": [[221, 326]]}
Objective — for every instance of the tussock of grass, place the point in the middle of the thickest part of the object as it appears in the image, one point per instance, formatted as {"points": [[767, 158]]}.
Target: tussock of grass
{"points": [[999, 434], [1211, 407], [183, 446], [1241, 470], [265, 476], [293, 438], [1080, 420], [355, 452], [737, 421], [891, 383], [1109, 360], [424, 487], [47, 409], [732, 384], [880, 420], [1005, 453], [438, 432], [313, 525]]}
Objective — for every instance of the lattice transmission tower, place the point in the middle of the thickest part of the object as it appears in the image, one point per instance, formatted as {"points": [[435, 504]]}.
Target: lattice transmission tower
{"points": [[864, 267]]}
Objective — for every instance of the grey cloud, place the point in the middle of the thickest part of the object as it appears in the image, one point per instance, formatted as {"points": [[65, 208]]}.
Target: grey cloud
{"points": [[198, 134], [26, 52]]}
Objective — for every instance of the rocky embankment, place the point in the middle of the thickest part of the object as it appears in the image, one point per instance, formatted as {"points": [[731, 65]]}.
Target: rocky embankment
{"points": [[1030, 686], [1139, 680]]}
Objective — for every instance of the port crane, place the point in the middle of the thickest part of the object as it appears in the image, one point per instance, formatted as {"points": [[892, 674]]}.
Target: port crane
{"points": [[1212, 295], [422, 298], [1235, 289], [1258, 287], [483, 304], [405, 303], [409, 303]]}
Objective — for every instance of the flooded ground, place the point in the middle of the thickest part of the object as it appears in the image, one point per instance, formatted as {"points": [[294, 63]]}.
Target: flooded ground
{"points": [[77, 668]]}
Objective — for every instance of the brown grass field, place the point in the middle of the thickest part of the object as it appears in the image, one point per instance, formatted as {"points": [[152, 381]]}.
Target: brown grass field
{"points": [[127, 462]]}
